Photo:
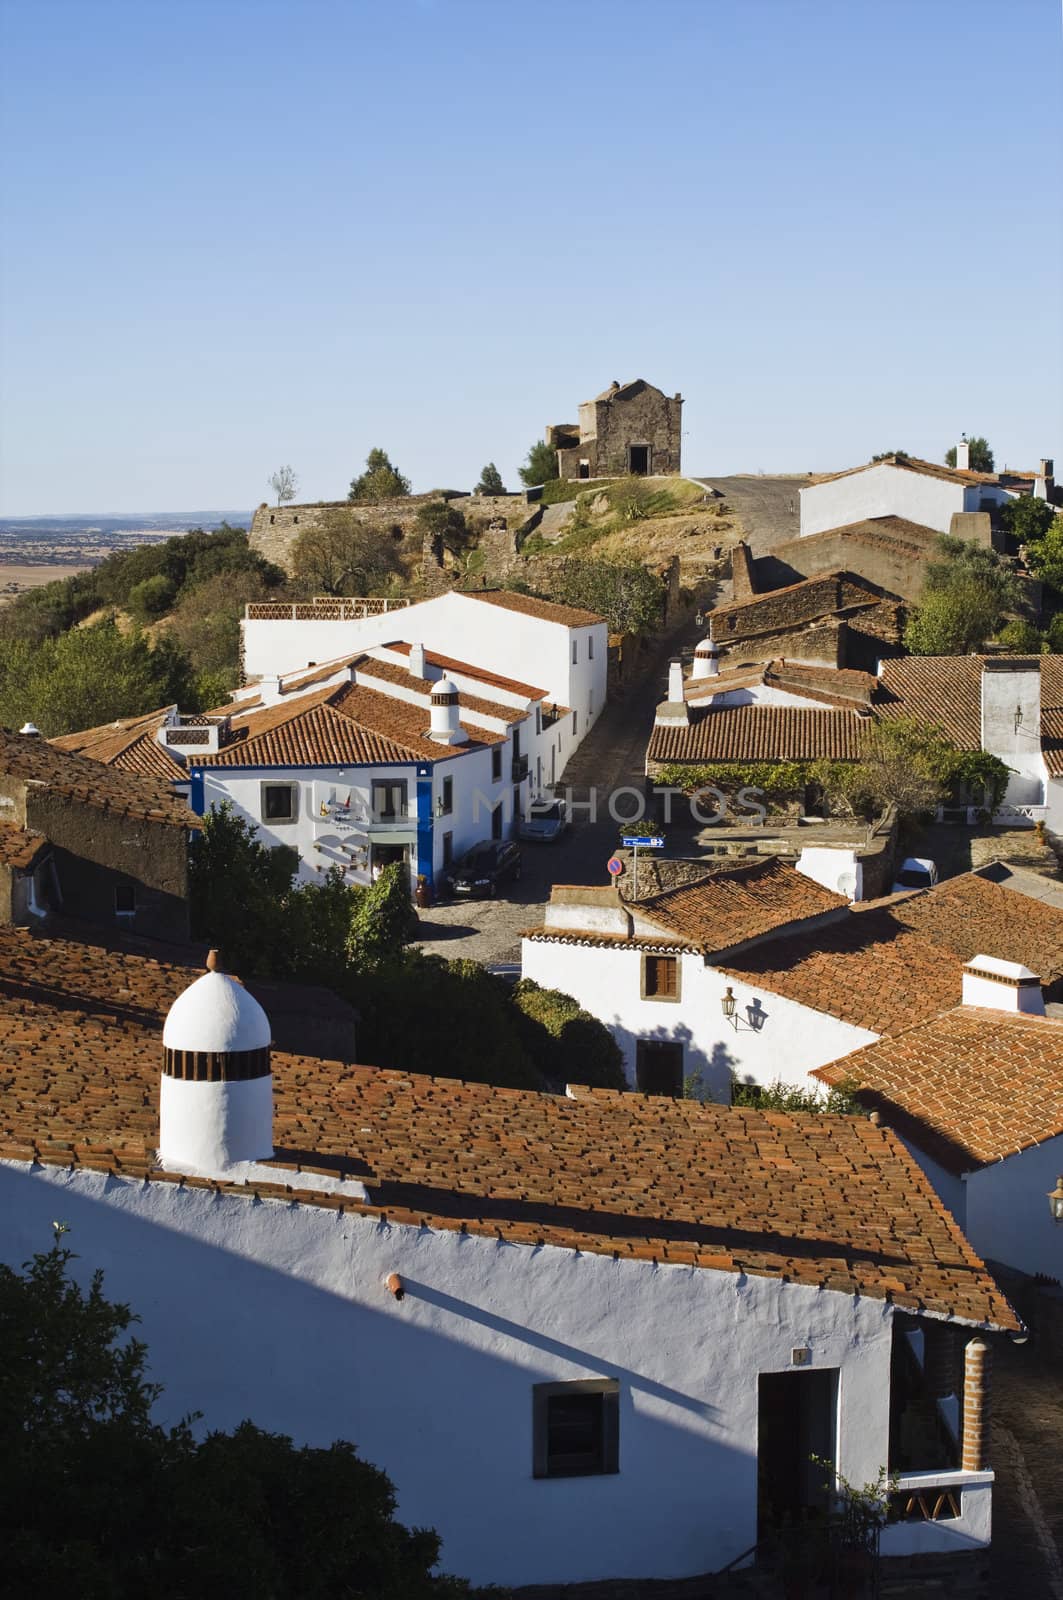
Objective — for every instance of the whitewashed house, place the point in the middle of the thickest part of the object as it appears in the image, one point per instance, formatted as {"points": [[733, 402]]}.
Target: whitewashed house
{"points": [[904, 486], [976, 1093], [628, 1321], [758, 972], [562, 648], [392, 755]]}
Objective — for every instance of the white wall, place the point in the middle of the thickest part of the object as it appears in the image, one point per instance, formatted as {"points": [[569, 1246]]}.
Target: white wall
{"points": [[505, 642], [1007, 1210], [279, 1313], [775, 1038], [884, 491], [321, 840]]}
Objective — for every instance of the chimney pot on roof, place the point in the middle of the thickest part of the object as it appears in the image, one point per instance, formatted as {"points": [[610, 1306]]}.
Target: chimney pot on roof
{"points": [[445, 727], [675, 681], [1000, 985], [963, 455], [216, 1096], [30, 729], [706, 659]]}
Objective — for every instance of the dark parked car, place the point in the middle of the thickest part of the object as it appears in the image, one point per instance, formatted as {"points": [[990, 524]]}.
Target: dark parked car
{"points": [[484, 867]]}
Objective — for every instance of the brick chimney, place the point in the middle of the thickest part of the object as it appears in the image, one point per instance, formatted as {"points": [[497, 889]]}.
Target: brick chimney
{"points": [[1002, 986]]}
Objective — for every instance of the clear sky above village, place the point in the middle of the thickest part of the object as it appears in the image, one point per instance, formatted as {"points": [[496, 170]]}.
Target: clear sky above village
{"points": [[240, 233]]}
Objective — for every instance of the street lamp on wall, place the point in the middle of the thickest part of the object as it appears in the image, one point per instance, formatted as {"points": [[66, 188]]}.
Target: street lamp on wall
{"points": [[728, 1004], [1055, 1200]]}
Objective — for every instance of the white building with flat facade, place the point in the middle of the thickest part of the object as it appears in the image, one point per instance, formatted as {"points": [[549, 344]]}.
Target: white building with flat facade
{"points": [[561, 648], [900, 486], [629, 1321]]}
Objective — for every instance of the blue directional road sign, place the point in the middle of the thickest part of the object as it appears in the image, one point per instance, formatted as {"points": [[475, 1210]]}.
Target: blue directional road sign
{"points": [[635, 841]]}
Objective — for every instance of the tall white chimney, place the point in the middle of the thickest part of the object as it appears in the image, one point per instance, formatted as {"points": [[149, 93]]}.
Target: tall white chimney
{"points": [[706, 660], [1002, 986], [418, 663], [675, 680], [963, 455], [673, 713], [216, 1097], [446, 725]]}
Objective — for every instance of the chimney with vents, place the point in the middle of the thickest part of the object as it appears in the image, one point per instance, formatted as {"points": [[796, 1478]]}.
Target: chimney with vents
{"points": [[1002, 986], [418, 663], [706, 660], [216, 1098], [963, 455], [446, 725]]}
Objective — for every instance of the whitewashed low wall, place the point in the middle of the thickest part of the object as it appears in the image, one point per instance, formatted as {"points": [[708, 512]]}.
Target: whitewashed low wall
{"points": [[278, 1312], [971, 1530]]}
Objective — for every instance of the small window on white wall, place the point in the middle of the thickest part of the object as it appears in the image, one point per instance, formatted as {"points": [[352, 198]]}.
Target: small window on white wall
{"points": [[575, 651], [590, 647], [280, 802]]}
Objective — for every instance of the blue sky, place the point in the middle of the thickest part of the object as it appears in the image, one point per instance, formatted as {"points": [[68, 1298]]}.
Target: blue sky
{"points": [[239, 233]]}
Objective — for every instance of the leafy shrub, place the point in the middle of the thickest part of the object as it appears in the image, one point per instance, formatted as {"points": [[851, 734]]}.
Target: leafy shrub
{"points": [[151, 598], [566, 1042]]}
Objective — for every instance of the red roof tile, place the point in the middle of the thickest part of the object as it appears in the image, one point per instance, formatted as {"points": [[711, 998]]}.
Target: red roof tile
{"points": [[527, 605], [108, 788], [129, 744], [809, 1199], [19, 847], [761, 733], [969, 1087]]}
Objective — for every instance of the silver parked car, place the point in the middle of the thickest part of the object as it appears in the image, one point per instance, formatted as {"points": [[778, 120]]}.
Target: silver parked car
{"points": [[545, 821]]}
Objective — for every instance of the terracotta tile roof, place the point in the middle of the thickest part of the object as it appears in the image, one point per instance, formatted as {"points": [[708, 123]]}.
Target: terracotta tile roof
{"points": [[338, 725], [134, 981], [866, 969], [761, 733], [543, 933], [527, 605], [492, 679], [970, 1086], [928, 469], [740, 903], [129, 744], [840, 687], [946, 691], [291, 682], [908, 538], [388, 672], [833, 1202], [107, 788], [972, 916], [19, 847]]}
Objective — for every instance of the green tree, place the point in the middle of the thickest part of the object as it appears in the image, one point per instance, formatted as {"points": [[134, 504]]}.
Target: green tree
{"points": [[238, 888], [952, 622], [959, 560], [89, 676], [341, 555], [441, 520], [906, 764], [284, 484], [891, 455], [980, 455], [1045, 555], [490, 481], [626, 593], [205, 623], [540, 466], [1021, 638], [151, 598], [380, 480], [98, 1500], [1026, 518], [382, 921], [567, 1044]]}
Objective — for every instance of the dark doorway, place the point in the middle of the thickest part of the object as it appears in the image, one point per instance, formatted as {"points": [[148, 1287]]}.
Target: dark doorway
{"points": [[659, 1066], [638, 459], [796, 1420], [584, 469], [496, 821]]}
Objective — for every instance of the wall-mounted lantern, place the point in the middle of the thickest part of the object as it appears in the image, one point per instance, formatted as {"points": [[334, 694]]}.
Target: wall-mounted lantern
{"points": [[1055, 1200], [728, 1004]]}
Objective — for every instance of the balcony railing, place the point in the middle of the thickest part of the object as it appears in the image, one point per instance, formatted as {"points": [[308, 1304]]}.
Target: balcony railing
{"points": [[519, 768], [323, 608], [944, 1510]]}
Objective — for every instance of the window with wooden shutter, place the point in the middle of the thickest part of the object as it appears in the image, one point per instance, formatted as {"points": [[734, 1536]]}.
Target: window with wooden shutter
{"points": [[661, 977]]}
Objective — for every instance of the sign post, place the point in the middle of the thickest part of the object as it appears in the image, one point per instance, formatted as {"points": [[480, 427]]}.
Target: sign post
{"points": [[633, 842]]}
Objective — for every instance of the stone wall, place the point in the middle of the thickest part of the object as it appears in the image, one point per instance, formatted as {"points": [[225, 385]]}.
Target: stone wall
{"points": [[816, 642], [744, 583], [792, 607], [896, 566], [275, 529], [637, 414]]}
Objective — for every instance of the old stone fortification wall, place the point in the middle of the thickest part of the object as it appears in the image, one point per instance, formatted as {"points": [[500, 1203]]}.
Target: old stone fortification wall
{"points": [[817, 642], [275, 529]]}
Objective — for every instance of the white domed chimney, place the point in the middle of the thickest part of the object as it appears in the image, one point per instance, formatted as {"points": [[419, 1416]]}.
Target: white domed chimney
{"points": [[706, 660], [216, 1101], [446, 725]]}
